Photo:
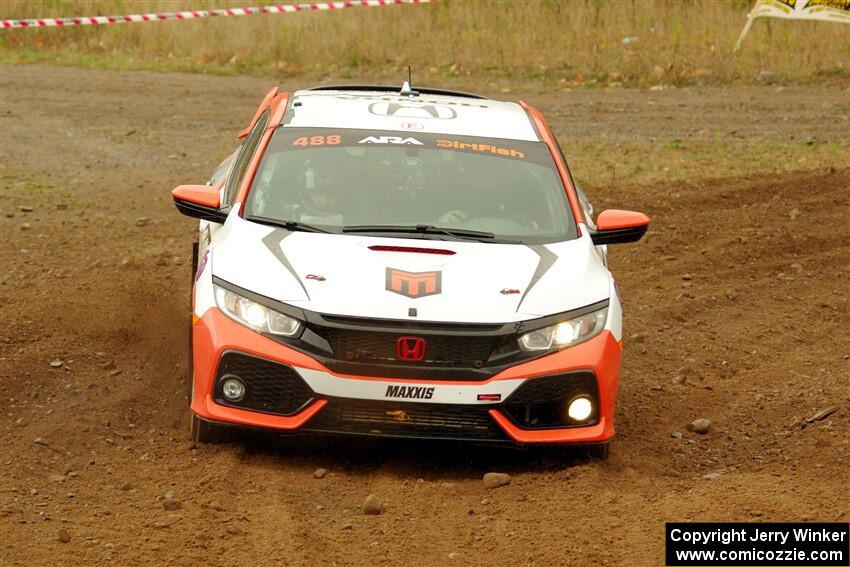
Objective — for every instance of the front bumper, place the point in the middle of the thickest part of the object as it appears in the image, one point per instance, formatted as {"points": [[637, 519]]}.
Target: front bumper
{"points": [[389, 407]]}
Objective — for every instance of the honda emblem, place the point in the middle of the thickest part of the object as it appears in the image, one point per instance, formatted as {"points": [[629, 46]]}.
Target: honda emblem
{"points": [[410, 349]]}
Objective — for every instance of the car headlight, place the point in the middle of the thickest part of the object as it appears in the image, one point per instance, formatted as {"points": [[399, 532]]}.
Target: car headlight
{"points": [[565, 333], [255, 316]]}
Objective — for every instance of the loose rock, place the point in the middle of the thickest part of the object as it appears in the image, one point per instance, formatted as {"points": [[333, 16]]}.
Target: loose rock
{"points": [[40, 441], [495, 479], [822, 414], [766, 77], [320, 473], [373, 506], [701, 426], [142, 221], [63, 535], [55, 363]]}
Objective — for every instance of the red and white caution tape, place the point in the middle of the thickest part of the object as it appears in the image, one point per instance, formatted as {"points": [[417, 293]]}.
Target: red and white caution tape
{"points": [[135, 18]]}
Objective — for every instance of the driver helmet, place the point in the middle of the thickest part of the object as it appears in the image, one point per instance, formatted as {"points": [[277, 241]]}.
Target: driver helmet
{"points": [[322, 195]]}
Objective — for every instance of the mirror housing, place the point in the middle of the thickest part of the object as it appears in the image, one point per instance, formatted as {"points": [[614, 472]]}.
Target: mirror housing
{"points": [[200, 202], [615, 227]]}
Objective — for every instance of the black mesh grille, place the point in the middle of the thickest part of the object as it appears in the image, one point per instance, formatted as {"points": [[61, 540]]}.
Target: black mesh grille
{"points": [[541, 402], [378, 347], [550, 388], [433, 421], [269, 387]]}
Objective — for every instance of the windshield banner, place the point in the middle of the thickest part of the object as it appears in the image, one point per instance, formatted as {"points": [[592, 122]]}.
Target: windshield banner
{"points": [[518, 150]]}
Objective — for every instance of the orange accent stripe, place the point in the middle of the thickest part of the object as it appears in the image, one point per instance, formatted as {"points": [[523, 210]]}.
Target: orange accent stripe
{"points": [[255, 419], [549, 140], [277, 108], [592, 434]]}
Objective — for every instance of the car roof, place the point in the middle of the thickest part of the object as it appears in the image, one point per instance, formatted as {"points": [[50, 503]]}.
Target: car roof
{"points": [[430, 110]]}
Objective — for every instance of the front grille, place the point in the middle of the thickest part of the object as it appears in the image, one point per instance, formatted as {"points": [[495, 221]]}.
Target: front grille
{"points": [[421, 326], [270, 387], [541, 402], [405, 419], [440, 350]]}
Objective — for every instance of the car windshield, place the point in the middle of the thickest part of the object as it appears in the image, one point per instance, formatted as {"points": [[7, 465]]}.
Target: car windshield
{"points": [[377, 181]]}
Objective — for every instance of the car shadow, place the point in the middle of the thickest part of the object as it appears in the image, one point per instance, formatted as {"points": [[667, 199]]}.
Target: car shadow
{"points": [[413, 459]]}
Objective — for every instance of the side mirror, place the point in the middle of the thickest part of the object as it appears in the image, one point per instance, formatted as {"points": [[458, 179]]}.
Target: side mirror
{"points": [[614, 227], [199, 201]]}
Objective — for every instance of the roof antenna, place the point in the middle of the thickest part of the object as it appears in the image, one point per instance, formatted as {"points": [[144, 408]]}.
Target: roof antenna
{"points": [[407, 87]]}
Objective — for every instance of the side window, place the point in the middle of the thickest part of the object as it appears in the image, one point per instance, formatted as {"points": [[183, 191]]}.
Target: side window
{"points": [[220, 173], [243, 158]]}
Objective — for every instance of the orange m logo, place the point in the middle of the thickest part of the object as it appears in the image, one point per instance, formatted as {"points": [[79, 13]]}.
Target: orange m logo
{"points": [[414, 284]]}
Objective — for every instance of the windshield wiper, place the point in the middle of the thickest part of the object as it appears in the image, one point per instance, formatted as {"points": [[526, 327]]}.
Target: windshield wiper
{"points": [[288, 224], [422, 229]]}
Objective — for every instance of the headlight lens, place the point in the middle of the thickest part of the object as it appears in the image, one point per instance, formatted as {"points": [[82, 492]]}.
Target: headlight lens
{"points": [[565, 333], [255, 316]]}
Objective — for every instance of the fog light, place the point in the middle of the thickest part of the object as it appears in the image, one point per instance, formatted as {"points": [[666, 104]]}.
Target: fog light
{"points": [[580, 409], [233, 388]]}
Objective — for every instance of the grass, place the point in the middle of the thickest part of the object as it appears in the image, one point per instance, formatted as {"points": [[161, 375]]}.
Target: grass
{"points": [[599, 165], [574, 43]]}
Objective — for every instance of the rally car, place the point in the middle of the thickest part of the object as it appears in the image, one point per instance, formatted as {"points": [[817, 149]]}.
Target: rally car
{"points": [[412, 263]]}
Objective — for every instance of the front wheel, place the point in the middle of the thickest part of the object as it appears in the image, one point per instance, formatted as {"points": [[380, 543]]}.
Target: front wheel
{"points": [[190, 378], [599, 452], [208, 432]]}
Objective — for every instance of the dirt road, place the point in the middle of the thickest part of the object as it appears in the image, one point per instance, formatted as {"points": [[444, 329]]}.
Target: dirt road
{"points": [[736, 311]]}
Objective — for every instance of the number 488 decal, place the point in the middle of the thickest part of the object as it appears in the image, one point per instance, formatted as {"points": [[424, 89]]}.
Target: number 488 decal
{"points": [[332, 140]]}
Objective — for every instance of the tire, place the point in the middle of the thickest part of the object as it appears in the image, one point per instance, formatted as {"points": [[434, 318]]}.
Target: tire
{"points": [[195, 248], [208, 432], [202, 431], [190, 372], [599, 452], [190, 377]]}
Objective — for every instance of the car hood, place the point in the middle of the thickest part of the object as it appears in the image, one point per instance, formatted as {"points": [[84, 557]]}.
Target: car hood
{"points": [[364, 276]]}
